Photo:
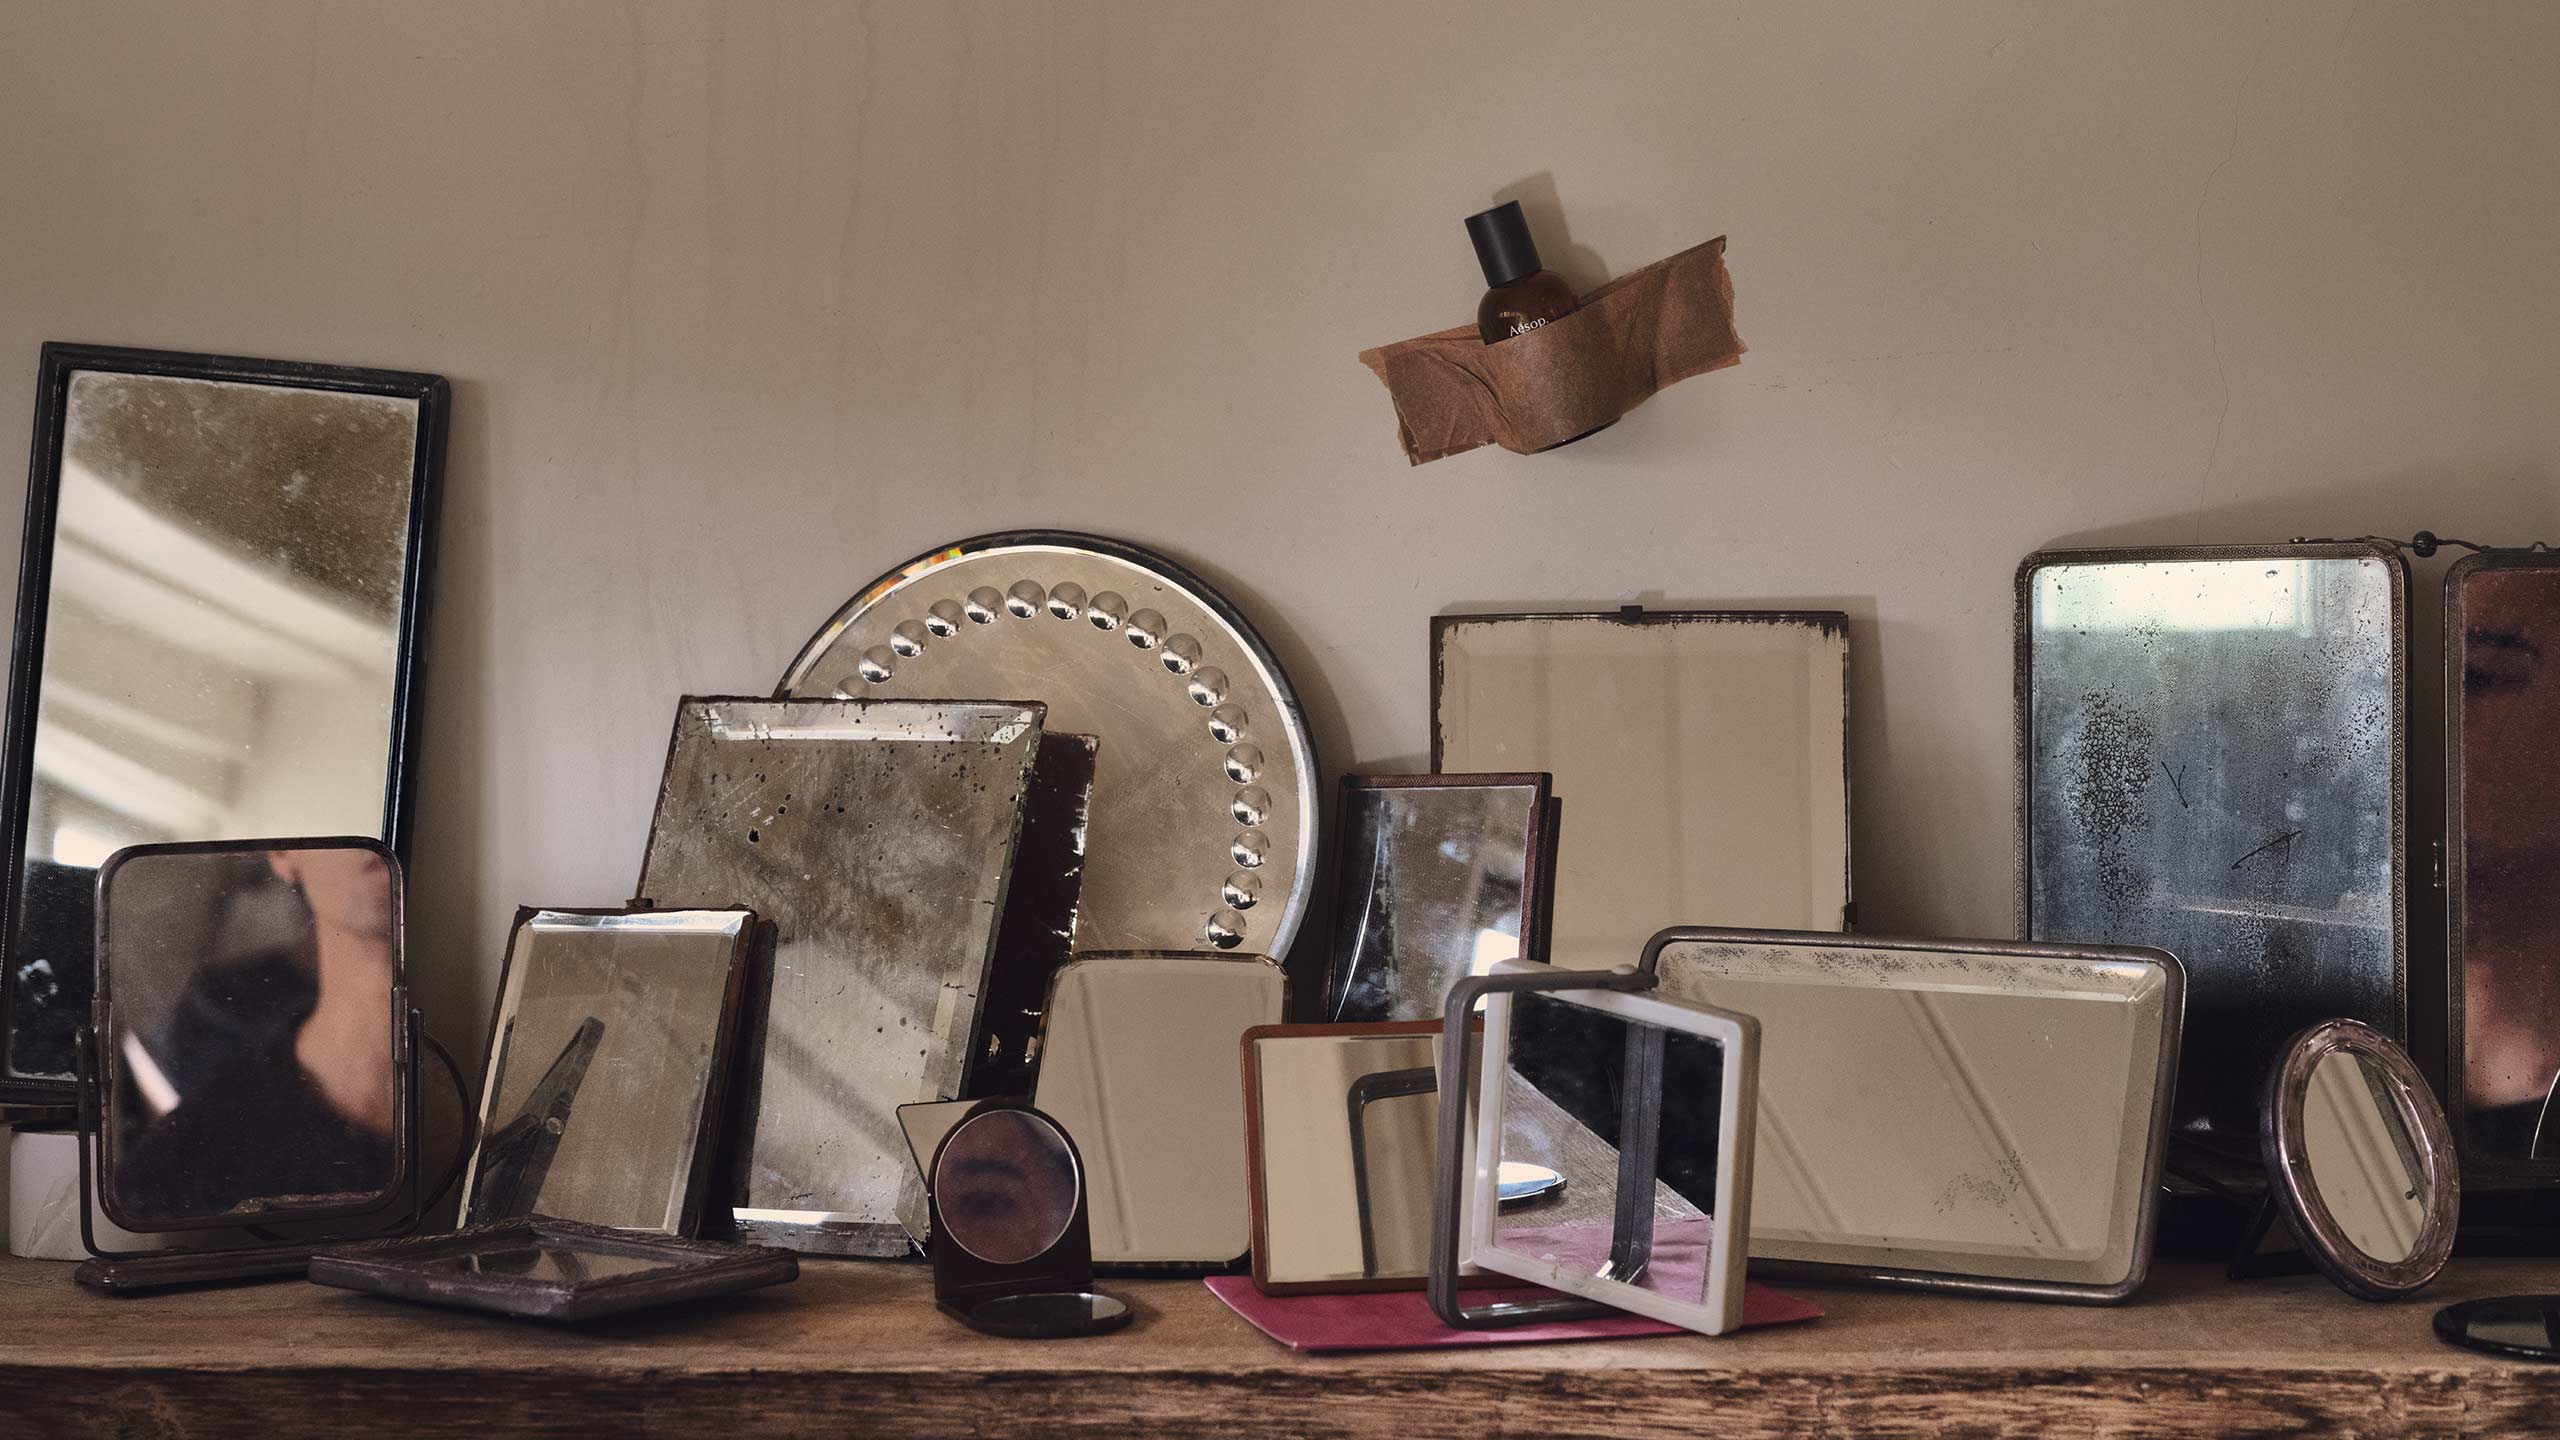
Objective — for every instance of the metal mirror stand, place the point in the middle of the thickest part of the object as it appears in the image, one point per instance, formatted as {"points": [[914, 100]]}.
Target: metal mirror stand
{"points": [[1631, 1245]]}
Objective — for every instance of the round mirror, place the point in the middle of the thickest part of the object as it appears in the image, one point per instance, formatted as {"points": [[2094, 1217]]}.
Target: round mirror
{"points": [[1006, 1185], [2520, 1327], [1057, 1315], [2362, 1159]]}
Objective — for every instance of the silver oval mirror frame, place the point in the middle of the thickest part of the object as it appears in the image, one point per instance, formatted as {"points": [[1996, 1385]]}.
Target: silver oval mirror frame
{"points": [[2299, 1090]]}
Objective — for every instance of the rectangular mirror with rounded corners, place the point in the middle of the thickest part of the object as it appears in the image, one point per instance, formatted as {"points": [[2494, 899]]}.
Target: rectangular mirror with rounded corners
{"points": [[1138, 1061], [1436, 877], [878, 836], [253, 1033], [2502, 854], [609, 1061], [1958, 1114], [1703, 754], [220, 601], [2210, 755]]}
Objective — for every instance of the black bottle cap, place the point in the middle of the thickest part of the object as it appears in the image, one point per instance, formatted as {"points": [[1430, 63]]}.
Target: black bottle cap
{"points": [[1503, 245]]}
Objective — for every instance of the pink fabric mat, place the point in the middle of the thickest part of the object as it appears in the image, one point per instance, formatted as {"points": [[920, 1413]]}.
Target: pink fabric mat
{"points": [[1402, 1319]]}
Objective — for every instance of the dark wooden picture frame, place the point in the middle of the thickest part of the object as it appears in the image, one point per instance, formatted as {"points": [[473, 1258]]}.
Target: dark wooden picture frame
{"points": [[58, 363], [417, 1268]]}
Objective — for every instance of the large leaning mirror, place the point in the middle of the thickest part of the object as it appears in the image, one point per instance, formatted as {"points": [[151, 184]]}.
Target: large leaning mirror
{"points": [[2210, 745], [1704, 755], [609, 1063], [2502, 863], [878, 837], [1955, 1114], [218, 612]]}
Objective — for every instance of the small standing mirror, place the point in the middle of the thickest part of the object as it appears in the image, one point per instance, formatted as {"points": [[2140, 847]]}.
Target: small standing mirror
{"points": [[2362, 1160], [1011, 1253]]}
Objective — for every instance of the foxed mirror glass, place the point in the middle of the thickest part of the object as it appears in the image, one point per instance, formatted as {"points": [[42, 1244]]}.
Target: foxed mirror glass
{"points": [[2362, 1160], [1341, 1122], [253, 1034], [1969, 1115], [1704, 756], [877, 837], [1139, 1062], [1438, 877], [2210, 743], [218, 608], [1204, 790], [1651, 1054], [2502, 848], [609, 1062]]}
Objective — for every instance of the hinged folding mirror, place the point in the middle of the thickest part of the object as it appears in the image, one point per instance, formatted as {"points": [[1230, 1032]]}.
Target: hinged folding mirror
{"points": [[2210, 753], [219, 609]]}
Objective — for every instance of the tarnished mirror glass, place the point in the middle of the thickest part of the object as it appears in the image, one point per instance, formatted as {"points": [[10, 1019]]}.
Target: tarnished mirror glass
{"points": [[2502, 725], [216, 619], [1139, 1062], [1204, 792], [1970, 1114], [608, 1065], [2211, 748], [254, 1059], [1341, 1124], [876, 836], [1703, 757], [2362, 1160], [1440, 876]]}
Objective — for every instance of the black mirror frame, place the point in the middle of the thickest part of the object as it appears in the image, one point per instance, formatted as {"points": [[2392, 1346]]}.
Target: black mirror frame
{"points": [[59, 361]]}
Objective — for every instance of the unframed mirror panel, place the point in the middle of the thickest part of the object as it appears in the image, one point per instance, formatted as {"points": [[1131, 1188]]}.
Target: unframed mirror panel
{"points": [[2502, 662], [1139, 1062], [1703, 757], [1975, 1111], [1439, 876], [216, 626], [254, 1052], [607, 1060], [877, 836], [2210, 743]]}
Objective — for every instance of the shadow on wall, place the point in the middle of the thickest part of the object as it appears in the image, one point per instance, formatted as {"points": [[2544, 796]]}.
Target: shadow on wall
{"points": [[1580, 266]]}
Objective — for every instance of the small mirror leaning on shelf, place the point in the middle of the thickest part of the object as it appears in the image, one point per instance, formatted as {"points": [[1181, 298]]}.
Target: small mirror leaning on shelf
{"points": [[2361, 1160]]}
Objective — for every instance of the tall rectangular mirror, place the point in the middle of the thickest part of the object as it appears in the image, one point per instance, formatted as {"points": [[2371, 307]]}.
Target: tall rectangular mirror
{"points": [[2210, 747], [1961, 1114], [1437, 877], [1703, 756], [609, 1062], [2502, 848], [878, 836], [219, 609]]}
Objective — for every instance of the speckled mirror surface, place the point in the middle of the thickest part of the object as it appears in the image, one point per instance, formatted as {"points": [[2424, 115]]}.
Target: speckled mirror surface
{"points": [[2211, 749], [2502, 728], [1701, 758], [1202, 832], [877, 836], [608, 1058]]}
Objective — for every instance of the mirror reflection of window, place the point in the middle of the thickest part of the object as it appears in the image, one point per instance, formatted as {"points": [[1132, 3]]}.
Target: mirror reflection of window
{"points": [[255, 1003], [220, 645]]}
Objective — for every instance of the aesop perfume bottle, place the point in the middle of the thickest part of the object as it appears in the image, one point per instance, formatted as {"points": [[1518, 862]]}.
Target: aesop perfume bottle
{"points": [[1523, 296]]}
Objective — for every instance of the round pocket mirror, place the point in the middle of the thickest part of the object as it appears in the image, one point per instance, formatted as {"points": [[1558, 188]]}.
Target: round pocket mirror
{"points": [[1006, 1182], [2361, 1158], [2519, 1327]]}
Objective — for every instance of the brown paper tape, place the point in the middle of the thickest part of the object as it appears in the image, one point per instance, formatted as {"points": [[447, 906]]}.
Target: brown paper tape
{"points": [[1640, 332]]}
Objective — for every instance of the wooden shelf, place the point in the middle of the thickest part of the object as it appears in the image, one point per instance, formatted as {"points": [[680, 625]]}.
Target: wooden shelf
{"points": [[857, 1348]]}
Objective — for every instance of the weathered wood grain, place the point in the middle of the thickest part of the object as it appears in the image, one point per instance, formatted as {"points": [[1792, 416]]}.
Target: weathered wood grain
{"points": [[856, 1349]]}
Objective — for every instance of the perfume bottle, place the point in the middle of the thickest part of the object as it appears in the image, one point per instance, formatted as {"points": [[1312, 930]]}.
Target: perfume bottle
{"points": [[1524, 295]]}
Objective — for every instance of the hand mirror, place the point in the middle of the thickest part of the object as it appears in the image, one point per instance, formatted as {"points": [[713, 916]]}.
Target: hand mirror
{"points": [[1011, 1255], [2361, 1160]]}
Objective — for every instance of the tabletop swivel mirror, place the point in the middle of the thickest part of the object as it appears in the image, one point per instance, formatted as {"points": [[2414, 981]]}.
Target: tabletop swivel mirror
{"points": [[2361, 1159], [253, 1057], [1011, 1254]]}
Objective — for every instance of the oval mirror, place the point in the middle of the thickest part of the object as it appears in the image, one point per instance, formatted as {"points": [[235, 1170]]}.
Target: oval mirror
{"points": [[2362, 1159]]}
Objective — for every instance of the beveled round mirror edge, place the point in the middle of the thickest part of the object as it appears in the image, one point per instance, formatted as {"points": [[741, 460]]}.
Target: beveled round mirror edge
{"points": [[2282, 1145], [2451, 1325]]}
